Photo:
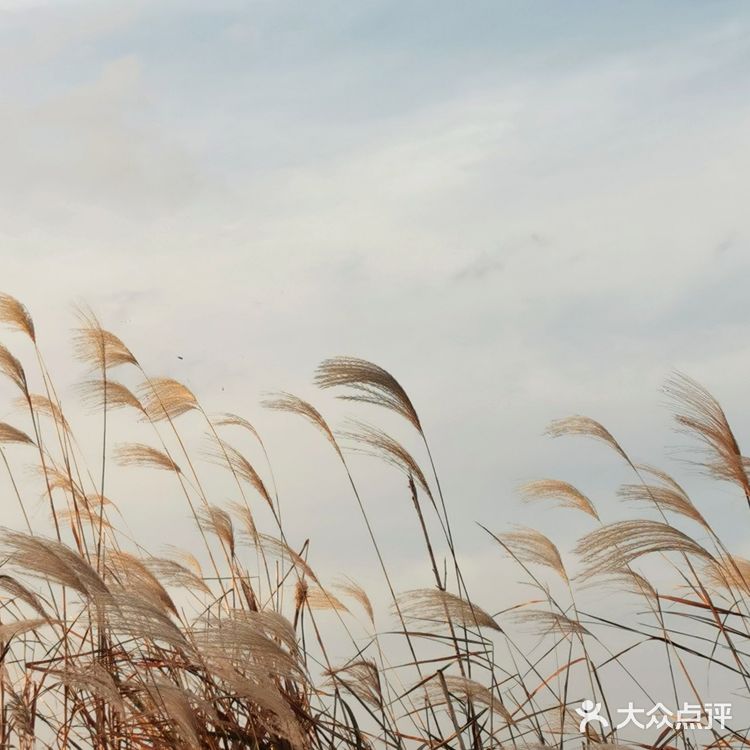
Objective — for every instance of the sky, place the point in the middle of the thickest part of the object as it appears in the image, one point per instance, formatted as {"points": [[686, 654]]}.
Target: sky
{"points": [[521, 210]]}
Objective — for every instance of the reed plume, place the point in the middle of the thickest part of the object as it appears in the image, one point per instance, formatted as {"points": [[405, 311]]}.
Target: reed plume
{"points": [[165, 398], [375, 442], [287, 402], [585, 427], [442, 607], [15, 315], [10, 434], [613, 547], [138, 454], [561, 493], [370, 384], [699, 414], [13, 370], [531, 546], [98, 348], [668, 495]]}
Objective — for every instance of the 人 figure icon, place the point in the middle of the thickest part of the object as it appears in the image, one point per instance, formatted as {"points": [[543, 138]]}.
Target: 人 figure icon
{"points": [[589, 711]]}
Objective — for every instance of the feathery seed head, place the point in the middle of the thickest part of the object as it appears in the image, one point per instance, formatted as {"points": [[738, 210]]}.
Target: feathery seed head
{"points": [[371, 384]]}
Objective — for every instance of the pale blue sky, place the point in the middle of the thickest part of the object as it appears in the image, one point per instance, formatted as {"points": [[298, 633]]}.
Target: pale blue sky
{"points": [[523, 209]]}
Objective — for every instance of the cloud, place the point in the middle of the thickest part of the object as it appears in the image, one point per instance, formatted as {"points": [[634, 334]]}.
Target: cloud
{"points": [[256, 195], [482, 266], [75, 154], [39, 32], [487, 264]]}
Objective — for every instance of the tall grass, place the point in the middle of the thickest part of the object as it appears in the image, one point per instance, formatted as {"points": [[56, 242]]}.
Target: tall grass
{"points": [[235, 644]]}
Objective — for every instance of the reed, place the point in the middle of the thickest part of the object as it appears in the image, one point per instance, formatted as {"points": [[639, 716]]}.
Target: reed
{"points": [[237, 643]]}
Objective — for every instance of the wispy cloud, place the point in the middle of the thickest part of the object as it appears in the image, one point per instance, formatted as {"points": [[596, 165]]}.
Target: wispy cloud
{"points": [[504, 206]]}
